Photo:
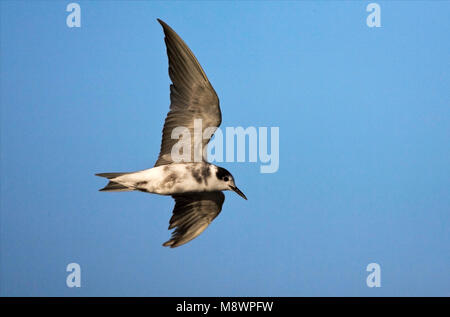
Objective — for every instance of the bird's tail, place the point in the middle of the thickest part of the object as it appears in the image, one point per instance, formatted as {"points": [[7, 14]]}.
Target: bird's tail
{"points": [[113, 186]]}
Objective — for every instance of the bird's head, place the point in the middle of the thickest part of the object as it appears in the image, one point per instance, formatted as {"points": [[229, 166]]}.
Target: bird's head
{"points": [[226, 181]]}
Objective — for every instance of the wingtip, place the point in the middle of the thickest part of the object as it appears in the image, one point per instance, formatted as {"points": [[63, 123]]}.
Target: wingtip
{"points": [[173, 243], [164, 24], [168, 244]]}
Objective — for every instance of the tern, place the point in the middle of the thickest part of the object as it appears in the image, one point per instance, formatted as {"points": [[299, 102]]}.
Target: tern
{"points": [[195, 185]]}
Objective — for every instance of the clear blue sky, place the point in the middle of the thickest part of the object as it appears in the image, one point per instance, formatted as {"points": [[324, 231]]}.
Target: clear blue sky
{"points": [[364, 117]]}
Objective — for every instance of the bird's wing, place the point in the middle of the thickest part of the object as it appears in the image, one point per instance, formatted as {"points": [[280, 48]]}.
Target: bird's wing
{"points": [[192, 213], [191, 97]]}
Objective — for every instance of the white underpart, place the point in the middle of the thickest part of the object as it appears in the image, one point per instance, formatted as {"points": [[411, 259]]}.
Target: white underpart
{"points": [[172, 179]]}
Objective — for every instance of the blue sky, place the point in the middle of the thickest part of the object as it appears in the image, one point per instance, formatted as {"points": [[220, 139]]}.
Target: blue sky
{"points": [[364, 169]]}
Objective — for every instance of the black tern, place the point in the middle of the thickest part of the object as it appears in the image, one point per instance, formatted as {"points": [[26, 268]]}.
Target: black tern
{"points": [[195, 184]]}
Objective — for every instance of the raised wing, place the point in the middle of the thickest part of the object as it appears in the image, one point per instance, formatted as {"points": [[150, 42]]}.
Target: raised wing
{"points": [[192, 213], [191, 97]]}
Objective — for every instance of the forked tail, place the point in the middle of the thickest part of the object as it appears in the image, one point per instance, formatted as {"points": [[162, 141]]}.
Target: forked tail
{"points": [[113, 186]]}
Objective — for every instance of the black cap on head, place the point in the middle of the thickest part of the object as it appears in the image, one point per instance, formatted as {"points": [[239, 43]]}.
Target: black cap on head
{"points": [[222, 173]]}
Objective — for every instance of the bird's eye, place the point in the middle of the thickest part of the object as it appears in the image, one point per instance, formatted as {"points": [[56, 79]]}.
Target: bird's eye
{"points": [[225, 179]]}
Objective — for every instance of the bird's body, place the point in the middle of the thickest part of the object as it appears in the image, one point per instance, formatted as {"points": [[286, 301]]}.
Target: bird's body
{"points": [[171, 179], [195, 184]]}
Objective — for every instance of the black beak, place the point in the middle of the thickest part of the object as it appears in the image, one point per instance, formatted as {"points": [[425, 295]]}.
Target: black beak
{"points": [[237, 191]]}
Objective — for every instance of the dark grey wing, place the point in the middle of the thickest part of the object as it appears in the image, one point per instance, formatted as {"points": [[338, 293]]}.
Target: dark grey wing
{"points": [[191, 97], [192, 214]]}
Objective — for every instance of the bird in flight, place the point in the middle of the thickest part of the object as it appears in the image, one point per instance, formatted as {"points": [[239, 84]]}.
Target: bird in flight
{"points": [[195, 185]]}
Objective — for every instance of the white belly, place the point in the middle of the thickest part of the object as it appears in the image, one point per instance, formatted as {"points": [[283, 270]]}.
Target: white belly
{"points": [[169, 179]]}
